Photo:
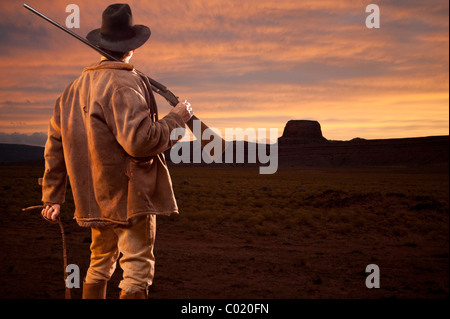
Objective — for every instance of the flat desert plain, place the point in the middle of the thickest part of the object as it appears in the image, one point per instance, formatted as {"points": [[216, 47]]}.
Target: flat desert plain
{"points": [[301, 233]]}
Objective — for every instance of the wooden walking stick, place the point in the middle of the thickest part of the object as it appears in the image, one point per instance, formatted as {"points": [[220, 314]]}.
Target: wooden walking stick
{"points": [[63, 236]]}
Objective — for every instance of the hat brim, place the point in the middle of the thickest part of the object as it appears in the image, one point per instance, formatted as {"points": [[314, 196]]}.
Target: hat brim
{"points": [[142, 33]]}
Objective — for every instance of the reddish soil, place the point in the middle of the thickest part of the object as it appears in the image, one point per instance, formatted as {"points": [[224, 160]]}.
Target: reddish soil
{"points": [[226, 266], [227, 261]]}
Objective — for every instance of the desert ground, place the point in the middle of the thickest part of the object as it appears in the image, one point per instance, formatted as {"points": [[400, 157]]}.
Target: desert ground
{"points": [[301, 233]]}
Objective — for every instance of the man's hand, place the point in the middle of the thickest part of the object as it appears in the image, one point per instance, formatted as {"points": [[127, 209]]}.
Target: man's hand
{"points": [[184, 110], [51, 212]]}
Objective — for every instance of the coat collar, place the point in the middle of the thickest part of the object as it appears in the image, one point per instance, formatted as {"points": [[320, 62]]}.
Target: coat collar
{"points": [[109, 65]]}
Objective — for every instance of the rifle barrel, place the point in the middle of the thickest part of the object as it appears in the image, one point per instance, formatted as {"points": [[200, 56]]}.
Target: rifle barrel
{"points": [[156, 86], [56, 24]]}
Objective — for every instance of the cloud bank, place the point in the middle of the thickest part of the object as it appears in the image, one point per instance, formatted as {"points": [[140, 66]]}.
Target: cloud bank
{"points": [[36, 139]]}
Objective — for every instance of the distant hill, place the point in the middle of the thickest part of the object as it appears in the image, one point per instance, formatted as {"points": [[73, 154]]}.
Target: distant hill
{"points": [[20, 153], [359, 152], [302, 144]]}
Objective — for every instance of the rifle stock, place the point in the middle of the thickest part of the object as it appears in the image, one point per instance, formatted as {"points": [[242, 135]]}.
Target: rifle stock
{"points": [[156, 86]]}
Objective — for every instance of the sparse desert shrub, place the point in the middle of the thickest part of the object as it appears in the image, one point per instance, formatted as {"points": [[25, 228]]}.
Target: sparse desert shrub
{"points": [[398, 230], [266, 229], [343, 228]]}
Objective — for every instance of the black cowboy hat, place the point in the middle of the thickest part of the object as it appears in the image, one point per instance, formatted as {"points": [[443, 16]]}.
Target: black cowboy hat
{"points": [[118, 32]]}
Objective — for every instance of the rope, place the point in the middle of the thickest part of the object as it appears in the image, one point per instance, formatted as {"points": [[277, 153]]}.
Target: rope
{"points": [[63, 236]]}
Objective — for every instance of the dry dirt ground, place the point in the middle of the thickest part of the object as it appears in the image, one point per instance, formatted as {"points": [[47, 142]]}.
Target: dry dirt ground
{"points": [[302, 233]]}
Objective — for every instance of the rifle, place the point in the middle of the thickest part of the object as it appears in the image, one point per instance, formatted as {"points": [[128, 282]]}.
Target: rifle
{"points": [[155, 85]]}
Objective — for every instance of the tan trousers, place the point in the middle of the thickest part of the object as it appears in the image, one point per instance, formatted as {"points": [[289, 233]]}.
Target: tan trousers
{"points": [[135, 242]]}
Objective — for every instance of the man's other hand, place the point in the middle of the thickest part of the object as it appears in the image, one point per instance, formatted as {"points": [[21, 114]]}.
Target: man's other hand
{"points": [[183, 109], [51, 212]]}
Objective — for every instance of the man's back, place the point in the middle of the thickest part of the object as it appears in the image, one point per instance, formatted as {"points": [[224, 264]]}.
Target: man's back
{"points": [[107, 132]]}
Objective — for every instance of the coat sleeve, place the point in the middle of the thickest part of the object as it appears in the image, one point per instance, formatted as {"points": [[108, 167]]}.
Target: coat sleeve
{"points": [[129, 119], [55, 175]]}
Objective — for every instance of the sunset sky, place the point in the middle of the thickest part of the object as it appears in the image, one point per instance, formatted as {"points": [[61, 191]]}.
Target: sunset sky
{"points": [[250, 63]]}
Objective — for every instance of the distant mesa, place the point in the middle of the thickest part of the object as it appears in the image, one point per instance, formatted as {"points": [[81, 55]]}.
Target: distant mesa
{"points": [[302, 144], [303, 131]]}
